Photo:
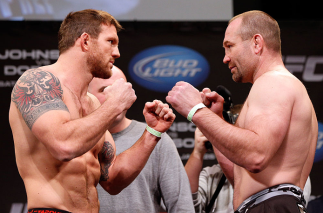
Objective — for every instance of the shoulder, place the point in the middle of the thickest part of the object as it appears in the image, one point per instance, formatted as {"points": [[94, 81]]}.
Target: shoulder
{"points": [[37, 76], [139, 124], [276, 85], [35, 81], [167, 142], [277, 79], [37, 91]]}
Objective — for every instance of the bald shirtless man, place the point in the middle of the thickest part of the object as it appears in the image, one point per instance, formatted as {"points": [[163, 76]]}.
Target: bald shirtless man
{"points": [[269, 153], [58, 128]]}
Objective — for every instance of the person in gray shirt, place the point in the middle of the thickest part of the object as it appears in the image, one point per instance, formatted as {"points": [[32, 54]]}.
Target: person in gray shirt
{"points": [[162, 180]]}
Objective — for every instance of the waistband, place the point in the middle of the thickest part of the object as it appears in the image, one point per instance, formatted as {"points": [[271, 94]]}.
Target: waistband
{"points": [[46, 210], [281, 189]]}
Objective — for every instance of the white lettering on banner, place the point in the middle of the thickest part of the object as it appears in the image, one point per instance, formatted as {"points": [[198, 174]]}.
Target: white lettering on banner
{"points": [[18, 208], [320, 136], [172, 68], [7, 83], [43, 62], [320, 140], [167, 63], [184, 142], [207, 156], [173, 134], [10, 70], [319, 144], [16, 54], [304, 65], [170, 72], [182, 127], [41, 57]]}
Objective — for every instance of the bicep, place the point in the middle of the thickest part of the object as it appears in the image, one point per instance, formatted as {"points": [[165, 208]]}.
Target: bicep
{"points": [[268, 114]]}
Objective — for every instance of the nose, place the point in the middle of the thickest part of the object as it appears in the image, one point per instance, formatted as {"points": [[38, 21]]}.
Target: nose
{"points": [[226, 59], [116, 53]]}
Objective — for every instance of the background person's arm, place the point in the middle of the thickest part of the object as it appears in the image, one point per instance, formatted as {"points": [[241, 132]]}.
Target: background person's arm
{"points": [[194, 164]]}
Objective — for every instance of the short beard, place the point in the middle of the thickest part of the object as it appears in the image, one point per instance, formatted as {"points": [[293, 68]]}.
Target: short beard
{"points": [[97, 68], [237, 77]]}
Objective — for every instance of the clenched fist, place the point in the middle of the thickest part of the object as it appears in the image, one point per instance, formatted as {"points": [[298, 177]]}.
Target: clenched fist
{"points": [[158, 115]]}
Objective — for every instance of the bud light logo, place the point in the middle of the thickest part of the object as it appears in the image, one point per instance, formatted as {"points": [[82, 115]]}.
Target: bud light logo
{"points": [[159, 68], [319, 147]]}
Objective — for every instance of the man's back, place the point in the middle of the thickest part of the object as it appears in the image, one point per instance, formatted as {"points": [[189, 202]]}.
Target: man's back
{"points": [[280, 99]]}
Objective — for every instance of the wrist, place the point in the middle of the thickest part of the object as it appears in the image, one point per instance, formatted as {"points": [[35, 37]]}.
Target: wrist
{"points": [[153, 131], [194, 110], [198, 154]]}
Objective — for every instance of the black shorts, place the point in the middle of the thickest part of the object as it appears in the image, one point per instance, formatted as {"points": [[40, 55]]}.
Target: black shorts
{"points": [[46, 210], [278, 204], [282, 198]]}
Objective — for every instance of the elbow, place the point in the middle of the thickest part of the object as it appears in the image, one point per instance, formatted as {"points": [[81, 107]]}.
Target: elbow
{"points": [[64, 157], [63, 153], [112, 189], [256, 164]]}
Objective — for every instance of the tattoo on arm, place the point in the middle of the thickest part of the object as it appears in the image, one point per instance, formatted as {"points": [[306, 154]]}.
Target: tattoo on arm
{"points": [[36, 92], [106, 157]]}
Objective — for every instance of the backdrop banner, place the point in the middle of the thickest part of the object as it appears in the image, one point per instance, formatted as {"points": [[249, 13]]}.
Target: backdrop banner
{"points": [[154, 56]]}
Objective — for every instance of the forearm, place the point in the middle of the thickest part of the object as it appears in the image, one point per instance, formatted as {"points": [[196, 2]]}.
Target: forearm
{"points": [[129, 164], [193, 168], [73, 138], [240, 146], [226, 166]]}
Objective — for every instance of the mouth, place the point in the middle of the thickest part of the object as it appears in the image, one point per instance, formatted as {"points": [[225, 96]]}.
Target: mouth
{"points": [[231, 68], [111, 63]]}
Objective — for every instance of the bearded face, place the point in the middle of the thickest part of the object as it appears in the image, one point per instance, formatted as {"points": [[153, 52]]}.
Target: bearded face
{"points": [[98, 64]]}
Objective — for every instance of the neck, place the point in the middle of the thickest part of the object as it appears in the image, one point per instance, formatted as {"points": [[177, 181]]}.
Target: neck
{"points": [[267, 64], [74, 73], [119, 126]]}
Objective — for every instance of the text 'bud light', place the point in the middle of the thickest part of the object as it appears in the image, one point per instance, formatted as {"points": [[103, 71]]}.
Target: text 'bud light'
{"points": [[159, 68]]}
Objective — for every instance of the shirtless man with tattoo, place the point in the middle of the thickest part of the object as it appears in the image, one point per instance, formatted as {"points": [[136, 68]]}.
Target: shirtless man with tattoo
{"points": [[268, 154], [59, 129]]}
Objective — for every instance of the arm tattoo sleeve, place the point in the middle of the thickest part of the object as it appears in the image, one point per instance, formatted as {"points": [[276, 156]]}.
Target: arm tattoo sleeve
{"points": [[106, 158], [36, 92]]}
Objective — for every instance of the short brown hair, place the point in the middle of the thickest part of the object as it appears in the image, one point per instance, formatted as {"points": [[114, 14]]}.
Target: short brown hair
{"points": [[258, 22], [88, 21]]}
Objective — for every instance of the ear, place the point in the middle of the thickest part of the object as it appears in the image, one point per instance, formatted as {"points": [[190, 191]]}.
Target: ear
{"points": [[258, 43], [84, 41]]}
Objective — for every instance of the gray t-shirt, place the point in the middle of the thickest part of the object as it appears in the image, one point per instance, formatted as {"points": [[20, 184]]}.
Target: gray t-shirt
{"points": [[163, 177]]}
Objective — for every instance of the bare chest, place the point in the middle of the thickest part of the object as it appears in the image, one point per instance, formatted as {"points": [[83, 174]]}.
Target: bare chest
{"points": [[242, 116], [78, 106]]}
